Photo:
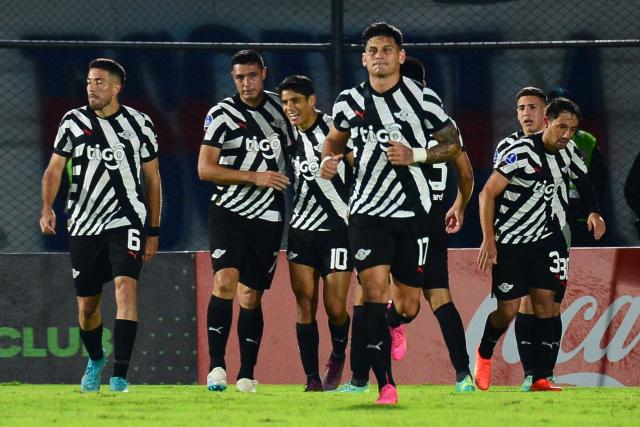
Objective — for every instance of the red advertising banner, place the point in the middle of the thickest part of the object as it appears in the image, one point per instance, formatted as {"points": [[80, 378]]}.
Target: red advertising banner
{"points": [[600, 314]]}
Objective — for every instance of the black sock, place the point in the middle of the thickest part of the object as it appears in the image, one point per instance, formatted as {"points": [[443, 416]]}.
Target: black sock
{"points": [[92, 341], [453, 334], [395, 319], [339, 337], [544, 344], [219, 319], [490, 338], [124, 335], [308, 341], [378, 342], [557, 329], [359, 359], [250, 327], [523, 328]]}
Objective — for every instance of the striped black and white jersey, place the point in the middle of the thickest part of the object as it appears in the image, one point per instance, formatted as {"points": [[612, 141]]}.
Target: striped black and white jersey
{"points": [[408, 113], [250, 139], [534, 203], [504, 144], [106, 154], [438, 178], [319, 204]]}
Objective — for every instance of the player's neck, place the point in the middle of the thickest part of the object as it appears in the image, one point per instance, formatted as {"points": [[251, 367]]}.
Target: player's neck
{"points": [[531, 133], [548, 145], [309, 122], [253, 102], [108, 110], [382, 84]]}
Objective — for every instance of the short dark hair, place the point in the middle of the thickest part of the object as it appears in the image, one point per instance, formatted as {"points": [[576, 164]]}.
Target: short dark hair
{"points": [[561, 105], [381, 29], [111, 66], [413, 68], [557, 92], [297, 83], [531, 91], [247, 56]]}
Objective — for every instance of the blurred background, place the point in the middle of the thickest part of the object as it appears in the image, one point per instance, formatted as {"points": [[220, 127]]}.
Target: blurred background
{"points": [[478, 54]]}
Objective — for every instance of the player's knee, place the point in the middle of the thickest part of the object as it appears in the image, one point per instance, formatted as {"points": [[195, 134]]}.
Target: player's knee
{"points": [[504, 315], [87, 313], [437, 298], [407, 307], [225, 284], [336, 313], [250, 300], [544, 310], [125, 292]]}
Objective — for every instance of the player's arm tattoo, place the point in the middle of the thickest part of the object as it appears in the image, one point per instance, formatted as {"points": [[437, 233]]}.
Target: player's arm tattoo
{"points": [[448, 145]]}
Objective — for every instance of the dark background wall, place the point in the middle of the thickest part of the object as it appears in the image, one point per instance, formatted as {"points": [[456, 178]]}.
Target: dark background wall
{"points": [[176, 86]]}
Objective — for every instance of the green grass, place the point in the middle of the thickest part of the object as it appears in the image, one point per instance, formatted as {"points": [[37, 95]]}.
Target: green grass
{"points": [[274, 405]]}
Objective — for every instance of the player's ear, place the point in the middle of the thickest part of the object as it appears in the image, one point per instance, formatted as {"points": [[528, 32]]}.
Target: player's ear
{"points": [[364, 63], [546, 122], [264, 73], [312, 100], [403, 56]]}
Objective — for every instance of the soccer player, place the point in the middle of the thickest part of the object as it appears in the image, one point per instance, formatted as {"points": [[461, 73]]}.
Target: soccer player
{"points": [[243, 153], [520, 213], [530, 106], [389, 119], [109, 206], [435, 285], [591, 155], [436, 279], [318, 243]]}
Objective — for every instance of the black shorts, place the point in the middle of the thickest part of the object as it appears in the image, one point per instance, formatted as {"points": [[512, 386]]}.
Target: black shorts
{"points": [[400, 243], [249, 245], [326, 251], [96, 260], [543, 264], [436, 272]]}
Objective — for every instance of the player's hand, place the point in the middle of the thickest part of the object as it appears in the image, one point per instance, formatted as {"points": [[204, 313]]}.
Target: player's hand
{"points": [[399, 154], [488, 255], [151, 247], [48, 222], [595, 223], [329, 166], [271, 179], [453, 220]]}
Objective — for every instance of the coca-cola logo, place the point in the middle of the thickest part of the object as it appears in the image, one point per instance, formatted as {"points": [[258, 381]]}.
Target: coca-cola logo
{"points": [[617, 343]]}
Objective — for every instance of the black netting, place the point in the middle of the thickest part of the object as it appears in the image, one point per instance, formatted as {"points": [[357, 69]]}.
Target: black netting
{"points": [[177, 86]]}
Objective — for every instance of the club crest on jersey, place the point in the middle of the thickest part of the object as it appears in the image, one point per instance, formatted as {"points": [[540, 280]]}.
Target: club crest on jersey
{"points": [[267, 146], [392, 132], [307, 168], [110, 157], [127, 134], [278, 123], [402, 115]]}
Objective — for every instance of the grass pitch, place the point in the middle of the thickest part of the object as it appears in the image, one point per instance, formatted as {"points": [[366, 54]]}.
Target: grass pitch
{"points": [[274, 405]]}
